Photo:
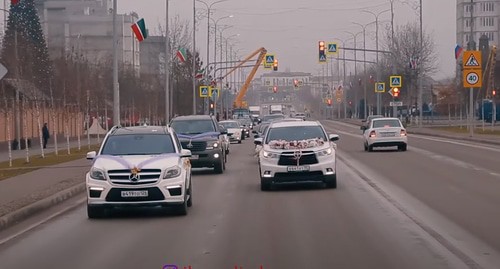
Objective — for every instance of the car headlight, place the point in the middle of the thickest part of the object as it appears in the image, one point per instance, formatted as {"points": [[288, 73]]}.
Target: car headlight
{"points": [[325, 152], [172, 172], [97, 174], [270, 155], [213, 145]]}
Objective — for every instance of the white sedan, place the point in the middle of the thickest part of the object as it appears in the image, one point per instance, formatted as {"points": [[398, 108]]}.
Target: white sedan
{"points": [[233, 128], [385, 132]]}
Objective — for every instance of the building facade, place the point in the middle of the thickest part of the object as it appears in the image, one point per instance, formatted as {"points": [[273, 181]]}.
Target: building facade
{"points": [[484, 18], [84, 28]]}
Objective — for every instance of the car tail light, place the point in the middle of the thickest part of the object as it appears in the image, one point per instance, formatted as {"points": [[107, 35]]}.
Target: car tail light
{"points": [[403, 132], [372, 134]]}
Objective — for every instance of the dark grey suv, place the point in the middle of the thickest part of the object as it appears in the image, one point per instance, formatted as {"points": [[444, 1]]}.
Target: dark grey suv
{"points": [[203, 137]]}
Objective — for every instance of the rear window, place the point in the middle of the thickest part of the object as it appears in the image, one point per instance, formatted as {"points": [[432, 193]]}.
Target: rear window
{"points": [[193, 126], [231, 124], [138, 144], [386, 123]]}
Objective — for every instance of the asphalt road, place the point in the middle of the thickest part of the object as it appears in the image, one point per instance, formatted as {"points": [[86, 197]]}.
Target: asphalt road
{"points": [[425, 208]]}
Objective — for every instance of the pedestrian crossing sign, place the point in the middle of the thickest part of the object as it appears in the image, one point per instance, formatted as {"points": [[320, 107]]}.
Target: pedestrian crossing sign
{"points": [[332, 48], [214, 92], [396, 81], [269, 61], [380, 87], [322, 58], [203, 91]]}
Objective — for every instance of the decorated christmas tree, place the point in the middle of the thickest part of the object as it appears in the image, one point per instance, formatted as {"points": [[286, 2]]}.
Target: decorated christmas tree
{"points": [[24, 50]]}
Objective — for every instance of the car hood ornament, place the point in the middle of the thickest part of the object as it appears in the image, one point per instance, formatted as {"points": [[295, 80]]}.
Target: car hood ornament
{"points": [[296, 156], [134, 174]]}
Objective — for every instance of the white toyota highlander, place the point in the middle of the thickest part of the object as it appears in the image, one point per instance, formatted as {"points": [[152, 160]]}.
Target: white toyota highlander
{"points": [[297, 152], [139, 166]]}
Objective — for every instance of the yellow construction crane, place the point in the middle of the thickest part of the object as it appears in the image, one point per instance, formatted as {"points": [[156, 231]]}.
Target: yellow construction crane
{"points": [[239, 101]]}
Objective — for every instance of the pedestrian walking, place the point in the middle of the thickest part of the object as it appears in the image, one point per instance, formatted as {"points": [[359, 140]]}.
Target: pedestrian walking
{"points": [[45, 135]]}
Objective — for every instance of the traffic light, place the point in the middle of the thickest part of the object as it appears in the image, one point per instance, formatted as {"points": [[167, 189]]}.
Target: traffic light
{"points": [[322, 51], [395, 92], [494, 93], [296, 83], [275, 65], [275, 89], [329, 101]]}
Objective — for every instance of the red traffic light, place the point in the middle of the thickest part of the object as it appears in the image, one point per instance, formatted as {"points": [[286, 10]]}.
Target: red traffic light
{"points": [[329, 101], [275, 89], [494, 92], [395, 92], [322, 45], [295, 83], [275, 65]]}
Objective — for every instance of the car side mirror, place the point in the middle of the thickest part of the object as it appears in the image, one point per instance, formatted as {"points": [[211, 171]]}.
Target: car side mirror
{"points": [[258, 141], [334, 137], [185, 153], [223, 132], [91, 155]]}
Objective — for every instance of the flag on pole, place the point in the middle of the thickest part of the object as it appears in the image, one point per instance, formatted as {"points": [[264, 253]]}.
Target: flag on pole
{"points": [[181, 54], [139, 29], [199, 73], [14, 2], [458, 51]]}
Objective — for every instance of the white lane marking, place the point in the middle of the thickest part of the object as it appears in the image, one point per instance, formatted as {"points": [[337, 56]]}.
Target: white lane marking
{"points": [[33, 226]]}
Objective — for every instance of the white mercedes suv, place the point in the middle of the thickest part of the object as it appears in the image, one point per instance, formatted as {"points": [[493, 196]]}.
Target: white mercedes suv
{"points": [[297, 152], [139, 166]]}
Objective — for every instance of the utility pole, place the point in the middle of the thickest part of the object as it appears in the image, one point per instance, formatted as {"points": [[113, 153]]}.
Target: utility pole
{"points": [[116, 90], [471, 46], [167, 67], [420, 71], [194, 60]]}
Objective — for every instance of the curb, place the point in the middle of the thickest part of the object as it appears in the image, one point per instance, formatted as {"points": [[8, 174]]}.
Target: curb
{"points": [[38, 206]]}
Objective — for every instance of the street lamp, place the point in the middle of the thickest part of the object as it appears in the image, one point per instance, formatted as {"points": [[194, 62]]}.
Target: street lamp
{"points": [[364, 66], [209, 10], [355, 69], [379, 109], [215, 38], [226, 93]]}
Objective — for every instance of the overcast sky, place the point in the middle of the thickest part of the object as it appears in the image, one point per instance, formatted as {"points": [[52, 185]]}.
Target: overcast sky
{"points": [[291, 29]]}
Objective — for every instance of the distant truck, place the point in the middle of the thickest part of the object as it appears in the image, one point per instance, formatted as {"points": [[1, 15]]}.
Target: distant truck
{"points": [[276, 109], [254, 110]]}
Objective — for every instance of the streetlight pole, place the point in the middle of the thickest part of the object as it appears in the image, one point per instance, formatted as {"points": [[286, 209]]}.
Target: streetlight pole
{"points": [[365, 114], [116, 89], [167, 66], [355, 70], [379, 102], [194, 62]]}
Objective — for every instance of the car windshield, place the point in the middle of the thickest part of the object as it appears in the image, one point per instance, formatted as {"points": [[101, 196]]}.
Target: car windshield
{"points": [[230, 124], [138, 144], [386, 123], [272, 117], [193, 126], [295, 133]]}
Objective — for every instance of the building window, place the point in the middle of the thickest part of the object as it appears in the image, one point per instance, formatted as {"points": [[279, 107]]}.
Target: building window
{"points": [[467, 8], [467, 23]]}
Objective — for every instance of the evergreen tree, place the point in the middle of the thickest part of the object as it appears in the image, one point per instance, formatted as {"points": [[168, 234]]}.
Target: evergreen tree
{"points": [[32, 63]]}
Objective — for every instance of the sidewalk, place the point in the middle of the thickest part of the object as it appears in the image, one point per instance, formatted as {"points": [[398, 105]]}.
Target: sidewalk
{"points": [[36, 150]]}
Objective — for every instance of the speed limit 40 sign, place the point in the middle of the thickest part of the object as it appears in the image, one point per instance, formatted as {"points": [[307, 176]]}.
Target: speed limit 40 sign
{"points": [[473, 79]]}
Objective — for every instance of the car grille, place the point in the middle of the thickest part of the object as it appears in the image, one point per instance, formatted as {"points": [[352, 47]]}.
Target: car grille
{"points": [[124, 176], [196, 145], [115, 195], [299, 177], [290, 158]]}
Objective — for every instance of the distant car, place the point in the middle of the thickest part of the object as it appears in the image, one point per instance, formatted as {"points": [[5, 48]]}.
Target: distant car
{"points": [[297, 152], [366, 122], [273, 117], [139, 166], [300, 116], [385, 132], [234, 130], [246, 125], [226, 142], [201, 134]]}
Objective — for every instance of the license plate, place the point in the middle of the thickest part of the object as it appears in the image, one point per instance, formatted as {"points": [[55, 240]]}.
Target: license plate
{"points": [[298, 168], [134, 193], [388, 134], [195, 157]]}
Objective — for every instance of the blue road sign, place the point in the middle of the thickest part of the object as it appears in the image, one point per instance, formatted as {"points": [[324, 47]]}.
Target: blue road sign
{"points": [[396, 81], [214, 92], [269, 59], [203, 91], [380, 87], [332, 48]]}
